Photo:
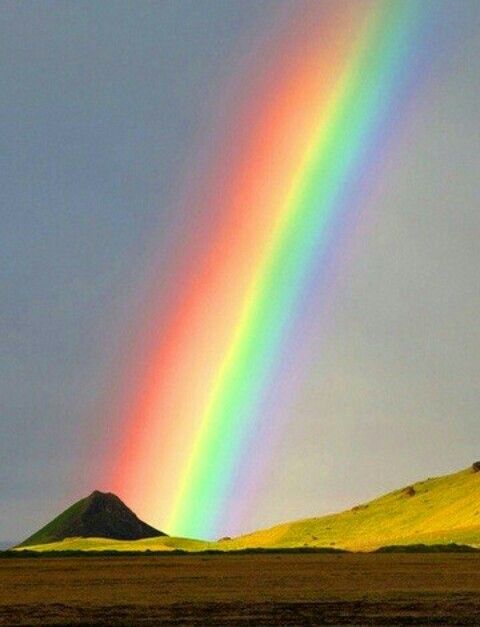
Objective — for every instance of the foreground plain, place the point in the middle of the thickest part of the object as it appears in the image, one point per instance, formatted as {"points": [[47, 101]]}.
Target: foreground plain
{"points": [[236, 589]]}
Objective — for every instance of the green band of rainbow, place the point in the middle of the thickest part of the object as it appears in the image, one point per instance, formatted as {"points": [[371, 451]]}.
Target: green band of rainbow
{"points": [[333, 155]]}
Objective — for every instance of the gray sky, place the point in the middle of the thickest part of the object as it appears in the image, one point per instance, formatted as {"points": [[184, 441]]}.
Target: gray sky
{"points": [[102, 105]]}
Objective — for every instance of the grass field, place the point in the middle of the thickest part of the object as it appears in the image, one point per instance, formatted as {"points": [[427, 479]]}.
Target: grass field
{"points": [[163, 543], [238, 589]]}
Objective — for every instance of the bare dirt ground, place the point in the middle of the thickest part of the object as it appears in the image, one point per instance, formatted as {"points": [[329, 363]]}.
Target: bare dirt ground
{"points": [[270, 589]]}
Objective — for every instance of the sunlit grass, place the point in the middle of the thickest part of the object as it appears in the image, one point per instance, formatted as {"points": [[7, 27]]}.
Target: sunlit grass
{"points": [[441, 510]]}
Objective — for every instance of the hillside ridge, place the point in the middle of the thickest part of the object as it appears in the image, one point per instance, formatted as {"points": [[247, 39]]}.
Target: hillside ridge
{"points": [[440, 510]]}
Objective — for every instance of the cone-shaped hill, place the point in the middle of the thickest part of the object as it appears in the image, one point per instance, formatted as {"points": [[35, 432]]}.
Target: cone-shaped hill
{"points": [[100, 515]]}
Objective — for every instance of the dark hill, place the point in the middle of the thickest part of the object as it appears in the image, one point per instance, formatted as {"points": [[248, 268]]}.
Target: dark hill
{"points": [[100, 515]]}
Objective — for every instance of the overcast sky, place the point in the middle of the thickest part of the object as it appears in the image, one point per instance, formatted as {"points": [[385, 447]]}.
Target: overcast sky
{"points": [[102, 107]]}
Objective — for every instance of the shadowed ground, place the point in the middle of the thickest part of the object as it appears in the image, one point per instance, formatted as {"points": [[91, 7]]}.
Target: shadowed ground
{"points": [[242, 589]]}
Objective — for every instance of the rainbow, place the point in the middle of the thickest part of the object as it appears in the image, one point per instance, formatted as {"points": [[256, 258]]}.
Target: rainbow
{"points": [[307, 144]]}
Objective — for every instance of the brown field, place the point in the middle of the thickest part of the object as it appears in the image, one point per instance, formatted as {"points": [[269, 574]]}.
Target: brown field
{"points": [[289, 589]]}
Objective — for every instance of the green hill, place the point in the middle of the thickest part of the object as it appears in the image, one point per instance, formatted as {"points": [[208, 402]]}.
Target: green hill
{"points": [[443, 510], [440, 511], [100, 515]]}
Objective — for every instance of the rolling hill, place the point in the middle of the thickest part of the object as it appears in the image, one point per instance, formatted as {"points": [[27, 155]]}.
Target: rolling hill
{"points": [[442, 510], [438, 511]]}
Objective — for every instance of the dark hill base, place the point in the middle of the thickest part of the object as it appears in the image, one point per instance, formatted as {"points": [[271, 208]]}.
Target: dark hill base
{"points": [[100, 515]]}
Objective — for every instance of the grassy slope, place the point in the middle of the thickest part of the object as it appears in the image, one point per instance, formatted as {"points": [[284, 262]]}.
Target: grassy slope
{"points": [[442, 510]]}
